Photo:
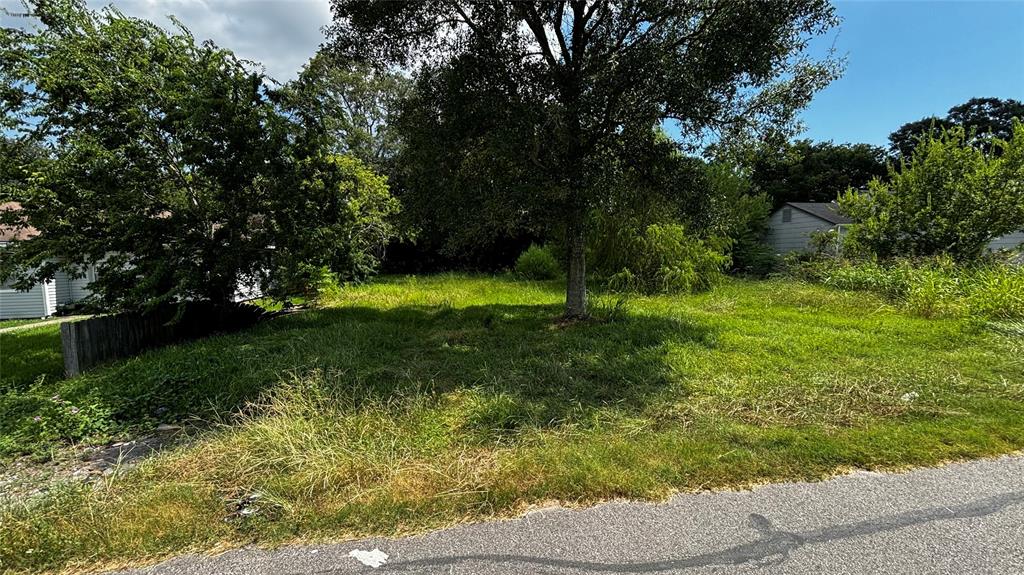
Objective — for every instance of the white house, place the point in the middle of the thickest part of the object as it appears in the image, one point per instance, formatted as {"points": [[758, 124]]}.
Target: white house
{"points": [[791, 226], [43, 299], [1007, 242]]}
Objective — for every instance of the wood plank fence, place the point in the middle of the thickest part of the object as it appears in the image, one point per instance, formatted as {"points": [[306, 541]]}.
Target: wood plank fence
{"points": [[90, 342]]}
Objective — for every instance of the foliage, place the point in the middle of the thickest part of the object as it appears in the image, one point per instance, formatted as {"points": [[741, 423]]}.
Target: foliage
{"points": [[337, 217], [169, 167], [350, 105], [663, 259], [538, 263], [932, 287], [826, 242], [534, 105], [948, 198], [803, 171], [740, 215], [419, 402], [984, 119]]}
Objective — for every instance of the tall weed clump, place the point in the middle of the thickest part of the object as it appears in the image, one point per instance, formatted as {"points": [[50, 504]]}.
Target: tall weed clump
{"points": [[666, 259], [929, 287]]}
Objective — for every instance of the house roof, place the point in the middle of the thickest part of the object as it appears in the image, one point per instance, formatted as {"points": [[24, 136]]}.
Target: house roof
{"points": [[12, 233], [828, 211]]}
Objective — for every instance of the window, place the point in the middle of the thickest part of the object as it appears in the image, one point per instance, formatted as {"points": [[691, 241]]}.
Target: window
{"points": [[787, 215]]}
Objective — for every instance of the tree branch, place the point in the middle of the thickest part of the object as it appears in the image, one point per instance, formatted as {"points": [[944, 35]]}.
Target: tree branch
{"points": [[566, 55], [532, 19]]}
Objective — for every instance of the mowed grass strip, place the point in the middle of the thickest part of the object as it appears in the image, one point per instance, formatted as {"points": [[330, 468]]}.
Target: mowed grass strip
{"points": [[414, 403]]}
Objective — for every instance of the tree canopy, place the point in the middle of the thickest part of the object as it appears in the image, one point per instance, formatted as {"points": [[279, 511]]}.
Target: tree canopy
{"points": [[168, 166], [350, 105], [804, 171], [949, 197], [983, 119], [542, 100]]}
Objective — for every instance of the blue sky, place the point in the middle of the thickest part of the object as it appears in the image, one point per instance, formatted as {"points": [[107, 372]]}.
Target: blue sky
{"points": [[908, 60]]}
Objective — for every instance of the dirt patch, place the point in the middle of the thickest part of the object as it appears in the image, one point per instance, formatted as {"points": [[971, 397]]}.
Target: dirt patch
{"points": [[26, 476]]}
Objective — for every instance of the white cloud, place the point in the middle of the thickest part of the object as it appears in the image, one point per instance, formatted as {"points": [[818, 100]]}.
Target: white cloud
{"points": [[280, 34]]}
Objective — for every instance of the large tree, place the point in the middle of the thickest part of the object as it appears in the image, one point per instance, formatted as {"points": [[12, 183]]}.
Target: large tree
{"points": [[350, 105], [983, 119], [804, 171], [168, 166], [949, 197], [562, 89]]}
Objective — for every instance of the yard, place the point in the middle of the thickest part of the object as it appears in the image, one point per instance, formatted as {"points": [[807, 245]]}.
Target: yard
{"points": [[417, 402]]}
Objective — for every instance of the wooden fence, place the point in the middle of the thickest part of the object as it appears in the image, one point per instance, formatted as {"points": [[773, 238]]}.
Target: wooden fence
{"points": [[90, 342]]}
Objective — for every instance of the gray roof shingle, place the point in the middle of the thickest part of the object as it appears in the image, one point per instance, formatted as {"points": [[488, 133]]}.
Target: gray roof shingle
{"points": [[828, 211]]}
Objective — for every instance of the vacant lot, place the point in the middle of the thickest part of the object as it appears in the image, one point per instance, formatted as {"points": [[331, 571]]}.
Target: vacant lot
{"points": [[414, 403]]}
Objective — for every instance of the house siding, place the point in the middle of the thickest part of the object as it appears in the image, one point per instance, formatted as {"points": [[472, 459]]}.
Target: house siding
{"points": [[79, 287], [63, 282], [72, 289], [794, 235], [50, 297], [1007, 242], [40, 301]]}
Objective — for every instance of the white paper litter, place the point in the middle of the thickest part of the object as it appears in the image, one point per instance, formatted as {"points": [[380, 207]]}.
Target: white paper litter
{"points": [[374, 558], [909, 396]]}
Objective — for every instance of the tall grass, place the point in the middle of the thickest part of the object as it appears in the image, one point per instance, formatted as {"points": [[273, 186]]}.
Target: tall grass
{"points": [[419, 402], [935, 287]]}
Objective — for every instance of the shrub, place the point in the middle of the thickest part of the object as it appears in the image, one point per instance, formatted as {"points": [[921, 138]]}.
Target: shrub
{"points": [[735, 211], [538, 263], [949, 198], [932, 287], [665, 259], [308, 281]]}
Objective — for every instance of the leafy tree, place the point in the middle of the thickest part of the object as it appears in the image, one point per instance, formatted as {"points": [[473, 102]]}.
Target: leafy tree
{"points": [[903, 141], [949, 198], [350, 105], [553, 94], [984, 119], [804, 171], [740, 214], [169, 167]]}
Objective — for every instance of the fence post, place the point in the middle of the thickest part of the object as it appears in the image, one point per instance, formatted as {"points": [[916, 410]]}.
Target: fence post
{"points": [[69, 347]]}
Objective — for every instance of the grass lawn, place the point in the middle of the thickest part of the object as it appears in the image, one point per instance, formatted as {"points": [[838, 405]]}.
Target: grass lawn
{"points": [[28, 354], [415, 403], [16, 322]]}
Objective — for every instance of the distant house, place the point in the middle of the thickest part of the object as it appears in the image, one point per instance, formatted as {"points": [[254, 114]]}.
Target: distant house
{"points": [[1007, 242], [43, 299], [792, 225]]}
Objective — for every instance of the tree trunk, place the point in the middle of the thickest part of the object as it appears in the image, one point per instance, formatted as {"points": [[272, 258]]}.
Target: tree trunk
{"points": [[576, 286]]}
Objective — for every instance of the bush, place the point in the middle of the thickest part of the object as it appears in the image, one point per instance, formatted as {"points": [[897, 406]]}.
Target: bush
{"points": [[665, 259], [538, 263], [950, 198], [308, 281], [932, 287], [736, 212]]}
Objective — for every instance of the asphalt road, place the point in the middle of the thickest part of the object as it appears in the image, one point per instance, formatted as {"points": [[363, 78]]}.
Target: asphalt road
{"points": [[962, 518]]}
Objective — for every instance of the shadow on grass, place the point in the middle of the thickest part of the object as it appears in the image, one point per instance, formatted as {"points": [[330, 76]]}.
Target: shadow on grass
{"points": [[544, 372], [27, 354]]}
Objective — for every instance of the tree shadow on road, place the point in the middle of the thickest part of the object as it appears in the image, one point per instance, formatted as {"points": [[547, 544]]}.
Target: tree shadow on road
{"points": [[772, 546]]}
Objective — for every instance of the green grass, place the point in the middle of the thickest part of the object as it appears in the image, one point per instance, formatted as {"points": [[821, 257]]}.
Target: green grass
{"points": [[4, 323], [29, 354], [414, 403]]}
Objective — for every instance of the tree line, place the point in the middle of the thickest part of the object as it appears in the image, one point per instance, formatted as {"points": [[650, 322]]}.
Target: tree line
{"points": [[426, 136]]}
